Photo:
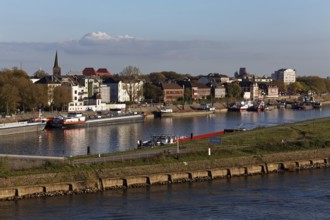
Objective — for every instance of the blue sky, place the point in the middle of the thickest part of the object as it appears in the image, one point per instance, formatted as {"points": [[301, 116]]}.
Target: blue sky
{"points": [[186, 36]]}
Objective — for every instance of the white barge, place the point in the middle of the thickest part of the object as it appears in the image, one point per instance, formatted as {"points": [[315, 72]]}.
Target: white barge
{"points": [[21, 127]]}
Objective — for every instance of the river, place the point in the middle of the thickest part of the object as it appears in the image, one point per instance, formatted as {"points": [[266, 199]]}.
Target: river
{"points": [[122, 137], [295, 195], [292, 195]]}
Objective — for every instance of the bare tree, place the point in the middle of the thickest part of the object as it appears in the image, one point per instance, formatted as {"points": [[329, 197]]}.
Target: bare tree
{"points": [[132, 84]]}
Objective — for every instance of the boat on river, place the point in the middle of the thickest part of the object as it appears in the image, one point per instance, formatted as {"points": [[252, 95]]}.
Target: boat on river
{"points": [[240, 106], [202, 110], [72, 120], [115, 119], [166, 112], [79, 120], [22, 127], [157, 140]]}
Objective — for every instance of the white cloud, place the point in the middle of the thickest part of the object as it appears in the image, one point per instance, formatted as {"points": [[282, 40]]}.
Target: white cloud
{"points": [[102, 37], [96, 36]]}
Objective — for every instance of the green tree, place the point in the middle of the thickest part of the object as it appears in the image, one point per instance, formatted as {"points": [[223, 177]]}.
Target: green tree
{"points": [[152, 92], [314, 83], [296, 87], [234, 90]]}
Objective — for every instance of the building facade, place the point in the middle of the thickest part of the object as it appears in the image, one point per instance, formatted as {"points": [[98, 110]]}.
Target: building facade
{"points": [[171, 92], [125, 92], [285, 75]]}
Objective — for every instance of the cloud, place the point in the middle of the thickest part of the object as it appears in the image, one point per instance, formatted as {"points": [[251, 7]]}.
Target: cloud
{"points": [[102, 37], [100, 49], [126, 45]]}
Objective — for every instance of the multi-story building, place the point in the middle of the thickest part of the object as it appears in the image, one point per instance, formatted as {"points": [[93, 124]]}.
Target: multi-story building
{"points": [[124, 92], [218, 92], [214, 78], [172, 92], [285, 75], [272, 91]]}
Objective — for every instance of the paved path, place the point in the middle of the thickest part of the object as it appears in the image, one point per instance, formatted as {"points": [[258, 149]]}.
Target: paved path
{"points": [[31, 157], [126, 156]]}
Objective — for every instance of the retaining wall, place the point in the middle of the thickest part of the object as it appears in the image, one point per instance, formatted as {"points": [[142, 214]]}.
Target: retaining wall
{"points": [[219, 173], [132, 181]]}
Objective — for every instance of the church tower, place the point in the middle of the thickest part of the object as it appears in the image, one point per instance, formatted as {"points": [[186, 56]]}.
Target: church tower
{"points": [[56, 68]]}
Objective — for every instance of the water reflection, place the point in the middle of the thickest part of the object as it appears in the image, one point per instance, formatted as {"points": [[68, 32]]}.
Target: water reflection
{"points": [[122, 137]]}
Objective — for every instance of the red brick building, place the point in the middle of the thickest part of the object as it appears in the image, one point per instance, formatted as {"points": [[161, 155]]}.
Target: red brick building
{"points": [[200, 91], [171, 92]]}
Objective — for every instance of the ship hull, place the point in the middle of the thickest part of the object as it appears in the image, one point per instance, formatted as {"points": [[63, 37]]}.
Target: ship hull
{"points": [[21, 127]]}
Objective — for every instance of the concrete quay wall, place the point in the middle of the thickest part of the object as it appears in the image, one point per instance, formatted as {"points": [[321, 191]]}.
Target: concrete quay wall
{"points": [[153, 179]]}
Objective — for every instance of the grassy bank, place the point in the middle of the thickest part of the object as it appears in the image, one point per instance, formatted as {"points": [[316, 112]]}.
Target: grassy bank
{"points": [[297, 141]]}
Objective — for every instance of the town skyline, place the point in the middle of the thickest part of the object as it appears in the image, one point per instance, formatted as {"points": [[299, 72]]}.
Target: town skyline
{"points": [[186, 37]]}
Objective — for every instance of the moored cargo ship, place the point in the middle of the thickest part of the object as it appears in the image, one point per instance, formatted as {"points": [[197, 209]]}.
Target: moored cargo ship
{"points": [[78, 120], [22, 127]]}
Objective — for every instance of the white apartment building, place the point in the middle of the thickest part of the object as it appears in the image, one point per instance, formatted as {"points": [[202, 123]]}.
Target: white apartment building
{"points": [[121, 92], [285, 75]]}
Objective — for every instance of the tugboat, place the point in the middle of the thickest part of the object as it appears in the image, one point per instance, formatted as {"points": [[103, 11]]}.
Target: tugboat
{"points": [[72, 120]]}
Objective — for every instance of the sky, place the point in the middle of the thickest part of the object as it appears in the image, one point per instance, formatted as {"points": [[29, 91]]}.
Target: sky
{"points": [[186, 36]]}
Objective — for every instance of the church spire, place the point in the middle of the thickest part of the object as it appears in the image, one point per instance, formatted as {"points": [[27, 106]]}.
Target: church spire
{"points": [[56, 68], [56, 60]]}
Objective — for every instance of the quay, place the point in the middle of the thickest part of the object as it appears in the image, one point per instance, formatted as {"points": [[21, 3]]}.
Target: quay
{"points": [[101, 184]]}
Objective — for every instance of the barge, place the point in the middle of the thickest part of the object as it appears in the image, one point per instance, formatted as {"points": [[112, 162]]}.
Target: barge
{"points": [[22, 127]]}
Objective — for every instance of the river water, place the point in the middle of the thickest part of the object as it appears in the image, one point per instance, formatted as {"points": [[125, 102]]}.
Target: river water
{"points": [[295, 195], [112, 138]]}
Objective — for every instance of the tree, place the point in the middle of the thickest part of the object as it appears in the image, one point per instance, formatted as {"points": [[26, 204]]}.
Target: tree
{"points": [[234, 90], [62, 96], [131, 83], [296, 87], [18, 73], [152, 92], [314, 83], [15, 87], [9, 98], [157, 77], [40, 74], [280, 85], [40, 96]]}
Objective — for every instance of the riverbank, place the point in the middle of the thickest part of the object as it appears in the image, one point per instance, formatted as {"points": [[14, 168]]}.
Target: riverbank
{"points": [[288, 146], [150, 109], [103, 183]]}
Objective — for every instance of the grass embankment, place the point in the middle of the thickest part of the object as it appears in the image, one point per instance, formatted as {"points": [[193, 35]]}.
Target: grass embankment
{"points": [[297, 141]]}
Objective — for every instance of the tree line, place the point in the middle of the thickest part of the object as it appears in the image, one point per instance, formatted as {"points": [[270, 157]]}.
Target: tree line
{"points": [[19, 93]]}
